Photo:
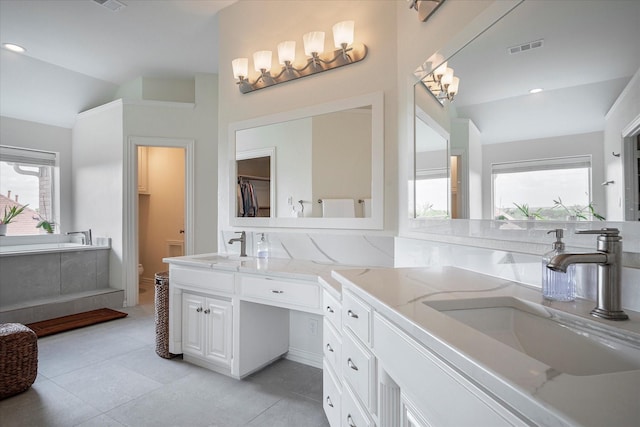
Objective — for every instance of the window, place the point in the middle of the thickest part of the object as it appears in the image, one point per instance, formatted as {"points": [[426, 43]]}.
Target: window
{"points": [[432, 193], [26, 179], [551, 189]]}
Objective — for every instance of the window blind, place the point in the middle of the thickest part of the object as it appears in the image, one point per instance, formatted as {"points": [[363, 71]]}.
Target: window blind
{"points": [[25, 156]]}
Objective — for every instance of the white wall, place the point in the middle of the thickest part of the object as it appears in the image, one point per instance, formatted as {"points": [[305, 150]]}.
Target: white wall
{"points": [[25, 134], [263, 27], [561, 146], [97, 175], [465, 141], [624, 111]]}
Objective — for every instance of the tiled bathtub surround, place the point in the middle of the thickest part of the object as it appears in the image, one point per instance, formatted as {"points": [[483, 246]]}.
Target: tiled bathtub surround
{"points": [[324, 248]]}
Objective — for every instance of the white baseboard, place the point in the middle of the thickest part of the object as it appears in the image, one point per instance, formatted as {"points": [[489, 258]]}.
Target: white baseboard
{"points": [[305, 357]]}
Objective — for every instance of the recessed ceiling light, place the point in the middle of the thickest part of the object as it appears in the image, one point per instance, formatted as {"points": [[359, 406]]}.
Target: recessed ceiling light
{"points": [[536, 90], [14, 47]]}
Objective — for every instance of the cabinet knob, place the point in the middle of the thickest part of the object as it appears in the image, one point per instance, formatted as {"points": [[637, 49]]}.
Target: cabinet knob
{"points": [[329, 402], [352, 314], [207, 311], [351, 364], [276, 291], [199, 309], [350, 421], [329, 309], [329, 348]]}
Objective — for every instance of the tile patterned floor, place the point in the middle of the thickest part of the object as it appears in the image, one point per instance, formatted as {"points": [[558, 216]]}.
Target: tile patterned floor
{"points": [[109, 375]]}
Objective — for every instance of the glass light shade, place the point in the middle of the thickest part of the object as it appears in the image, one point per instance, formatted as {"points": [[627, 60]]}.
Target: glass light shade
{"points": [[262, 60], [343, 33], [453, 86], [313, 42], [240, 67], [447, 77], [286, 52], [439, 72]]}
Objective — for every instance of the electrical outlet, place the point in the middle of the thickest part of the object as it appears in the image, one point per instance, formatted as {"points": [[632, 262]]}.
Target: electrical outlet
{"points": [[313, 326]]}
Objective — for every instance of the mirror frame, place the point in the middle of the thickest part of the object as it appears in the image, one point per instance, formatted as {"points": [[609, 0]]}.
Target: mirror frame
{"points": [[375, 222]]}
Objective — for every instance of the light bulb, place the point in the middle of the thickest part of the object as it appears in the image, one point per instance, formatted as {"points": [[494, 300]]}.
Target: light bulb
{"points": [[286, 52], [240, 67], [343, 33], [313, 43], [262, 60]]}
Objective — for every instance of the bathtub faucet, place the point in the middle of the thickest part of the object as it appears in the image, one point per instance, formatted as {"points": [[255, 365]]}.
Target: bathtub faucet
{"points": [[86, 236]]}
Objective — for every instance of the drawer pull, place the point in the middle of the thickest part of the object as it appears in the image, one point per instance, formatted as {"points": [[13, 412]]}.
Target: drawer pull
{"points": [[329, 402], [207, 311], [276, 291], [198, 310], [352, 314], [329, 309], [350, 421], [329, 348], [351, 364]]}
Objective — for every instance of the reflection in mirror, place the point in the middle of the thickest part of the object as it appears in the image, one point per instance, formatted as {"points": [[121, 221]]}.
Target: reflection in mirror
{"points": [[323, 165], [327, 161], [543, 154]]}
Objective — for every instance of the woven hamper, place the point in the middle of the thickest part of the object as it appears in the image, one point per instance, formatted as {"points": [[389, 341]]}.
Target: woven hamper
{"points": [[18, 358], [162, 315]]}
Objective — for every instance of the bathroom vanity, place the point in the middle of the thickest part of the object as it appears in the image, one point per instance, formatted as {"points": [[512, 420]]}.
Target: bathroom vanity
{"points": [[413, 346]]}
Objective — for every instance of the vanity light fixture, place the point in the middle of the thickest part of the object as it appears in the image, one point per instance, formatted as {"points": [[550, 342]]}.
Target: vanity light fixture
{"points": [[14, 47], [442, 83], [346, 52]]}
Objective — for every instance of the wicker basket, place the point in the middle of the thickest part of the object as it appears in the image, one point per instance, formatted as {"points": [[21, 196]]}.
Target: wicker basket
{"points": [[18, 358], [162, 315]]}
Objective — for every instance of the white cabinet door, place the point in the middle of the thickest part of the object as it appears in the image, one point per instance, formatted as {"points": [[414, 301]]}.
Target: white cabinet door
{"points": [[207, 328], [218, 330], [192, 324]]}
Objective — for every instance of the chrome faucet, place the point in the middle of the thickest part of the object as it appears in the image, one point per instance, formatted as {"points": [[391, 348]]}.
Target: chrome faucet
{"points": [[243, 242], [86, 236], [609, 260]]}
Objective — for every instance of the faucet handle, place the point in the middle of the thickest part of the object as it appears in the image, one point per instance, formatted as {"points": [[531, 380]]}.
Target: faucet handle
{"points": [[614, 232]]}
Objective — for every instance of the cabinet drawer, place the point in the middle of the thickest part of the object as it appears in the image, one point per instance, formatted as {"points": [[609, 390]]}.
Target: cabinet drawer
{"points": [[352, 413], [332, 396], [202, 278], [356, 315], [332, 311], [358, 369], [332, 347], [282, 293]]}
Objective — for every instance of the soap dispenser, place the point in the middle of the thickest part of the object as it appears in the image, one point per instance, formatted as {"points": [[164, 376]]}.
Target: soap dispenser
{"points": [[556, 285], [262, 247]]}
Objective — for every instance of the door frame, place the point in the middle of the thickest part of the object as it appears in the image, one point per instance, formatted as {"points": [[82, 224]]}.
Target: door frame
{"points": [[130, 206]]}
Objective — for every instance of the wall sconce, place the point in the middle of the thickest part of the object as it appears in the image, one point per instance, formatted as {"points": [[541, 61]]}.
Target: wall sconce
{"points": [[425, 8], [346, 52], [442, 83]]}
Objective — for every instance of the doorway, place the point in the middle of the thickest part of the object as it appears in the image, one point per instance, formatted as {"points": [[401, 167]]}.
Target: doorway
{"points": [[167, 176], [161, 201]]}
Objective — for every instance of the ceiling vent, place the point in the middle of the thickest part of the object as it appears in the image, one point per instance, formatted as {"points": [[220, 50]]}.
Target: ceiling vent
{"points": [[525, 47], [112, 5]]}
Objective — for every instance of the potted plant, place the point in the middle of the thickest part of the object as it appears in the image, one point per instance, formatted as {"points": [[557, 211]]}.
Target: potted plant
{"points": [[9, 216], [578, 212], [526, 211]]}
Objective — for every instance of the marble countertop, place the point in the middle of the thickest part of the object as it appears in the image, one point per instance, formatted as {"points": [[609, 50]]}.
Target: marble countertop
{"points": [[273, 267], [541, 393]]}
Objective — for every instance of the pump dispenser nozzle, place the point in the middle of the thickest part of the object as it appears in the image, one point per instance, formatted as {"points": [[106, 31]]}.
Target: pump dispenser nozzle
{"points": [[558, 244]]}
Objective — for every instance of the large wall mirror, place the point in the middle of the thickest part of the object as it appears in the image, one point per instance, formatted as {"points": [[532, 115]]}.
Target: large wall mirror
{"points": [[515, 152], [318, 167]]}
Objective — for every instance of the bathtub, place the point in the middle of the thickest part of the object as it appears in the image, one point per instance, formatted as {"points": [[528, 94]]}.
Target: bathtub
{"points": [[42, 280], [44, 247]]}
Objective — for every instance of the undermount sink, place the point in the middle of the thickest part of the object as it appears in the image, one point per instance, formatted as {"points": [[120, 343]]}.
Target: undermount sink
{"points": [[568, 344]]}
